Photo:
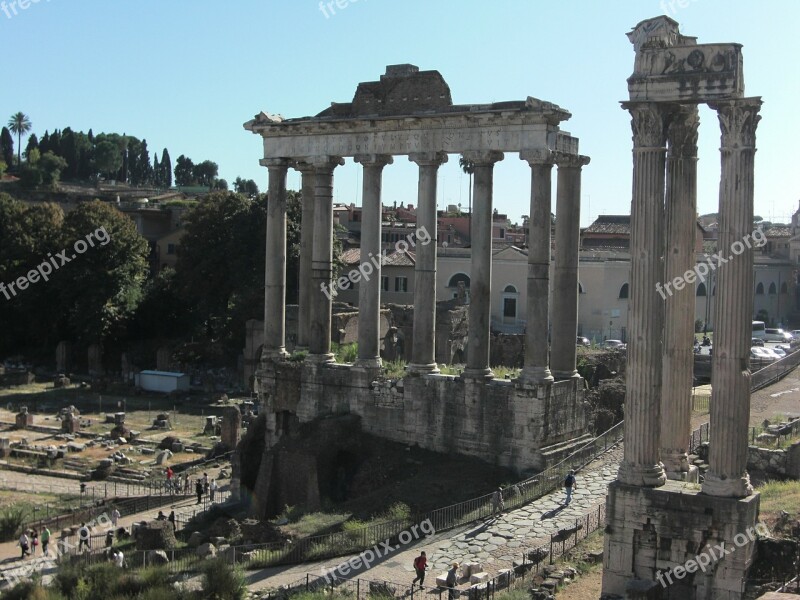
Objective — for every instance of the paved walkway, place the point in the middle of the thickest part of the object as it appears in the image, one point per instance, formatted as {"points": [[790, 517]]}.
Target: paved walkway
{"points": [[495, 542]]}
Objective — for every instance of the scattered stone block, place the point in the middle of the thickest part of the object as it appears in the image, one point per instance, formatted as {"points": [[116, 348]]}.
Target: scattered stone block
{"points": [[441, 580], [157, 557], [163, 457], [478, 578], [148, 451], [207, 550], [195, 539]]}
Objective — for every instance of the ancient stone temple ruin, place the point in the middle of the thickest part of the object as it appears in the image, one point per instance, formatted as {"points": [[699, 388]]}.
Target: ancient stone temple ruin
{"points": [[524, 424], [656, 519]]}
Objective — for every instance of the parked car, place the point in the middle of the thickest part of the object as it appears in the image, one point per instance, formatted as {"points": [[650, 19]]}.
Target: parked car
{"points": [[582, 341], [759, 356], [614, 345], [785, 347], [757, 342], [779, 351], [777, 335]]}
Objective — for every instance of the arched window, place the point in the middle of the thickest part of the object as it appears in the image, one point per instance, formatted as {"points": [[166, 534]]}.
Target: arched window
{"points": [[760, 289], [510, 289], [623, 291], [457, 278], [773, 289], [701, 289], [784, 288]]}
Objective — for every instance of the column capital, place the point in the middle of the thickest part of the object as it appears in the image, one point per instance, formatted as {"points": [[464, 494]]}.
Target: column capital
{"points": [[275, 163], [575, 161], [430, 159], [682, 132], [324, 162], [483, 158], [738, 120], [302, 165], [373, 160], [648, 122], [539, 157]]}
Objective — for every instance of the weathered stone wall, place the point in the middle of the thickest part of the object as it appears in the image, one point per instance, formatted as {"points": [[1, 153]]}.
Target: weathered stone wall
{"points": [[523, 428], [775, 462]]}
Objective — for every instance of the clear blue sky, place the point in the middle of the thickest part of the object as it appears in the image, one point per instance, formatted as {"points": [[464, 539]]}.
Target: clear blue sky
{"points": [[187, 74]]}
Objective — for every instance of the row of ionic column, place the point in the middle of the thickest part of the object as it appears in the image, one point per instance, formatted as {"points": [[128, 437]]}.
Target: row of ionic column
{"points": [[315, 276], [661, 318]]}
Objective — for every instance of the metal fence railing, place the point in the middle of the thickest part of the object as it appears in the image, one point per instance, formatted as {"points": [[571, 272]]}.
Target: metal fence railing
{"points": [[698, 436]]}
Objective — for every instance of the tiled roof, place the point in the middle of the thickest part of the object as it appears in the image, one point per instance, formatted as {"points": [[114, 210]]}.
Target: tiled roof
{"points": [[397, 258], [611, 224], [779, 231]]}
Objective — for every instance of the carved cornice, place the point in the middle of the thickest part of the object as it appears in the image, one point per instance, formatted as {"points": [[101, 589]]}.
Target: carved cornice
{"points": [[682, 132], [648, 122], [483, 158], [325, 163], [373, 160], [428, 159], [738, 120]]}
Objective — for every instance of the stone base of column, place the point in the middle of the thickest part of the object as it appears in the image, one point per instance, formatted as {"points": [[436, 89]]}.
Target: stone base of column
{"points": [[674, 462], [477, 374], [690, 475], [274, 354], [731, 487], [565, 374], [368, 363], [640, 475], [319, 358], [536, 376], [421, 369]]}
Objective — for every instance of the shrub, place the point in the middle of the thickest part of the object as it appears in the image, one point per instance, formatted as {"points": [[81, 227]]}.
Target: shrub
{"points": [[221, 581], [11, 521]]}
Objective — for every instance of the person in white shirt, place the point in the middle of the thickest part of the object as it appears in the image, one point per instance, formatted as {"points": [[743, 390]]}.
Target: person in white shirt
{"points": [[119, 559], [115, 517], [24, 545]]}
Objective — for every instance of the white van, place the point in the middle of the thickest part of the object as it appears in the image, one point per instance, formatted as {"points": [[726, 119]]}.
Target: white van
{"points": [[777, 335]]}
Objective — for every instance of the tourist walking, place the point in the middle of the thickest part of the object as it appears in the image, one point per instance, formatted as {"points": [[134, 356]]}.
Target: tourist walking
{"points": [[205, 483], [452, 578], [83, 537], [198, 489], [420, 564], [115, 517], [187, 485], [497, 501], [212, 489], [24, 545], [171, 519], [45, 540], [34, 541], [569, 485]]}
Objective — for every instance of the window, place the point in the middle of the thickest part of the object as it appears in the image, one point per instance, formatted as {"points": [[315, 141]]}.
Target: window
{"points": [[401, 284], [760, 289], [458, 277], [502, 234], [510, 289], [170, 248], [701, 289], [510, 308], [772, 289], [385, 283], [623, 291]]}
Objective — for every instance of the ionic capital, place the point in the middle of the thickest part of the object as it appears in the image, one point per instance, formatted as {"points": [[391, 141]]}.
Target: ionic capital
{"points": [[648, 122], [428, 159], [738, 120], [275, 163], [567, 161], [373, 160], [682, 132], [325, 163], [483, 158], [538, 157]]}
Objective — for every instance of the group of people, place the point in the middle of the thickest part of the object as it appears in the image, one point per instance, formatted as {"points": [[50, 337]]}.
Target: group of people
{"points": [[29, 542], [202, 485]]}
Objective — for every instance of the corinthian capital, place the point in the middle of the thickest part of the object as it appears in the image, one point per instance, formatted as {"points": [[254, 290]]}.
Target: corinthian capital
{"points": [[648, 122], [738, 120]]}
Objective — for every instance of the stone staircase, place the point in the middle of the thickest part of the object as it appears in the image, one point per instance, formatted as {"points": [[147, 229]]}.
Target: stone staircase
{"points": [[78, 465]]}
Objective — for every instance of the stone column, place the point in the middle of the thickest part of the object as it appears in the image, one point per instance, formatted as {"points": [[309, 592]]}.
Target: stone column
{"points": [[319, 345], [306, 250], [536, 369], [681, 228], [641, 464], [730, 376], [564, 351], [275, 275], [423, 349], [369, 290], [480, 300]]}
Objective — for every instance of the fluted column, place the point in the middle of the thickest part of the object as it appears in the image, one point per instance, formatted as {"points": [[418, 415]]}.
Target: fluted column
{"points": [[564, 351], [306, 250], [321, 260], [536, 369], [730, 375], [369, 290], [423, 349], [275, 272], [678, 363], [480, 289], [641, 464]]}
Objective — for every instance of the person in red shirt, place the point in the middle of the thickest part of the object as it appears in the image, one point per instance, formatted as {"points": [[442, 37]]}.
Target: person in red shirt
{"points": [[420, 564]]}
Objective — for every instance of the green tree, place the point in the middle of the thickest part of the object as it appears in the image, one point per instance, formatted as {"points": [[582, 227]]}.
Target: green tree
{"points": [[3, 167], [6, 146], [107, 158], [33, 144], [184, 171], [51, 167], [19, 123], [221, 185], [205, 173], [156, 171], [166, 169], [248, 187]]}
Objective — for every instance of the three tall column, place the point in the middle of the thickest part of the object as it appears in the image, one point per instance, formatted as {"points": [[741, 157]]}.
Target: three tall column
{"points": [[730, 375], [423, 348]]}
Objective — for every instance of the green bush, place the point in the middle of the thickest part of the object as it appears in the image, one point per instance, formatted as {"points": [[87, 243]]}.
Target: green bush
{"points": [[11, 520], [221, 581]]}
